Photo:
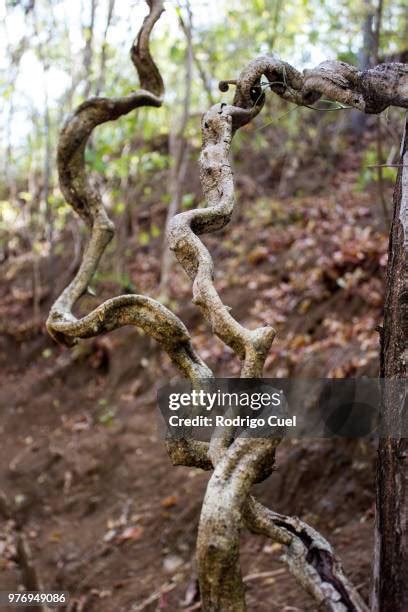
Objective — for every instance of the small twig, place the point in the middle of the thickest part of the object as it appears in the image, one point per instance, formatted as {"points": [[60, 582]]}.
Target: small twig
{"points": [[196, 606], [387, 166], [268, 83], [5, 509], [153, 597], [380, 176], [337, 108], [265, 125], [30, 577], [269, 574], [361, 585]]}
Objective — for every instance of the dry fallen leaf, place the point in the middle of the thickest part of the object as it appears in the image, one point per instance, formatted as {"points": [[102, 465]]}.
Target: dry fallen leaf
{"points": [[130, 533], [274, 548], [257, 255], [171, 563], [169, 502], [55, 536]]}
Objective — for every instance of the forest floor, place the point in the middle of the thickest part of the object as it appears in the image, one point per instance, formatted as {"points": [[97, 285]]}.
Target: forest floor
{"points": [[85, 476]]}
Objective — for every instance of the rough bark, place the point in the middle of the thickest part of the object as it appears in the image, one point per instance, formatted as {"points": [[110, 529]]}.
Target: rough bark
{"points": [[391, 533], [236, 467], [184, 229], [310, 558], [370, 91]]}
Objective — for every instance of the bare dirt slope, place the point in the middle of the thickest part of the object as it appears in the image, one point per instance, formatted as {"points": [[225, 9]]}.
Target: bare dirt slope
{"points": [[111, 521]]}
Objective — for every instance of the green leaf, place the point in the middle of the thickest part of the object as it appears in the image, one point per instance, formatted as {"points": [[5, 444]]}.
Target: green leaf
{"points": [[107, 417], [144, 238], [155, 231], [187, 200]]}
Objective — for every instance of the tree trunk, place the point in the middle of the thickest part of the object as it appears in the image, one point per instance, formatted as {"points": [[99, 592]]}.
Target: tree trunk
{"points": [[88, 51], [102, 65], [178, 151], [365, 57], [391, 534]]}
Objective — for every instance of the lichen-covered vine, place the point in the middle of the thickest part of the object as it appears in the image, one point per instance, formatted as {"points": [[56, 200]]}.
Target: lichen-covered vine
{"points": [[238, 463], [138, 310]]}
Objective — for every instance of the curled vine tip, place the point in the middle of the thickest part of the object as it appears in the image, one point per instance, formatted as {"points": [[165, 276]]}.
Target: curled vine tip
{"points": [[224, 85]]}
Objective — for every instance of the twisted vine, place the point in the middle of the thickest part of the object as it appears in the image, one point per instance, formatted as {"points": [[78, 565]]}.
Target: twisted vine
{"points": [[241, 462], [238, 463], [138, 310]]}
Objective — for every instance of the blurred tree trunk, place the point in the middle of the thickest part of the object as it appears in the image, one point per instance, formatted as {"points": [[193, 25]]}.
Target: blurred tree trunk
{"points": [[102, 65], [15, 54], [42, 49], [178, 152], [367, 52], [391, 534], [366, 55], [88, 50], [46, 193], [277, 10], [379, 147], [205, 79]]}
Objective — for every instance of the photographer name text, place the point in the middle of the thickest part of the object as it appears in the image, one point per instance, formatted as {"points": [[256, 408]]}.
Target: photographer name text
{"points": [[238, 421]]}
